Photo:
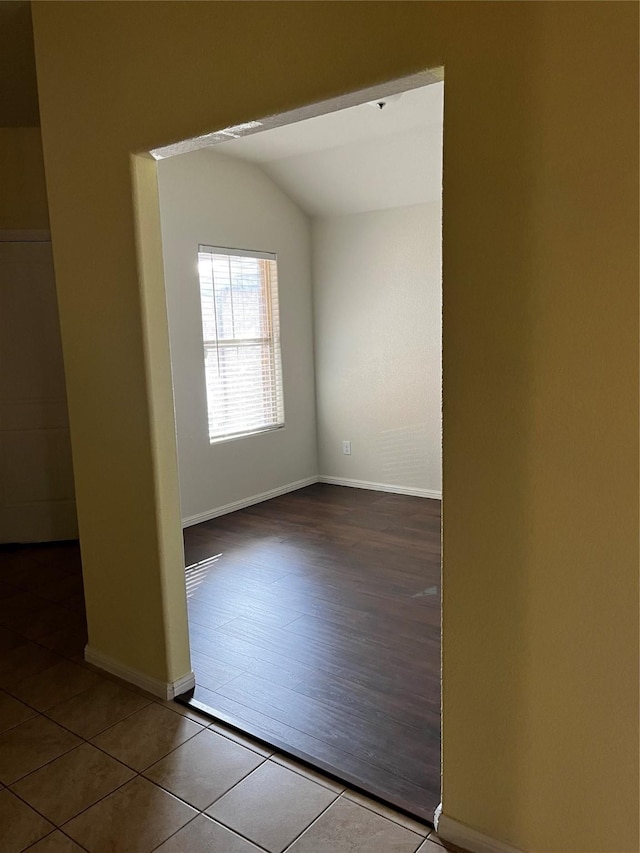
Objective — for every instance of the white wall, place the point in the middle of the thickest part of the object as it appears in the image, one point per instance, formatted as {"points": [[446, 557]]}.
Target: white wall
{"points": [[37, 502], [377, 309], [209, 198]]}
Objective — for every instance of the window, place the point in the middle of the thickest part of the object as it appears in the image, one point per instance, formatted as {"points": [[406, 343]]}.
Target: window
{"points": [[241, 337]]}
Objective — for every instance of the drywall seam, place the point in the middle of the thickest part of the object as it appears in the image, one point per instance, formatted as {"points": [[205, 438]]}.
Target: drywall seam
{"points": [[381, 487], [250, 501], [162, 689]]}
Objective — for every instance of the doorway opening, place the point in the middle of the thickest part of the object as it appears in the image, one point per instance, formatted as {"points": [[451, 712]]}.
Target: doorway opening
{"points": [[312, 541]]}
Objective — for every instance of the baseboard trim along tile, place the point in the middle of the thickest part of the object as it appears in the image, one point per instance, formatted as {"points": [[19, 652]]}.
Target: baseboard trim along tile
{"points": [[469, 839], [381, 487], [162, 689], [189, 520]]}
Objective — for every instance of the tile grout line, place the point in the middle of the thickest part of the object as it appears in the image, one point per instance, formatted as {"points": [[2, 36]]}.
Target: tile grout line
{"points": [[427, 828], [40, 766], [83, 740], [135, 770], [315, 820], [184, 826], [224, 793], [86, 808], [137, 773], [217, 823], [118, 788], [75, 734], [48, 835], [62, 701], [235, 784], [420, 841], [248, 737], [97, 734], [356, 757]]}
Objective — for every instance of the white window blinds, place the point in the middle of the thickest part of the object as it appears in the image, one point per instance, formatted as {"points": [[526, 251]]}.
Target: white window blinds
{"points": [[241, 337]]}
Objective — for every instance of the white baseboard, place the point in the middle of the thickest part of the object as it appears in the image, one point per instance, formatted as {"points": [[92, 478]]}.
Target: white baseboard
{"points": [[245, 502], [469, 839], [189, 520], [381, 487], [162, 689]]}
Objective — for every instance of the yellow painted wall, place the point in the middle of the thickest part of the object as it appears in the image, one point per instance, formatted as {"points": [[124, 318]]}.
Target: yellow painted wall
{"points": [[540, 725], [23, 194]]}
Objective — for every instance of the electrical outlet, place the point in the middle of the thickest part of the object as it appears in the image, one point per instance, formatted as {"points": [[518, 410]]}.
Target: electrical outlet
{"points": [[346, 448]]}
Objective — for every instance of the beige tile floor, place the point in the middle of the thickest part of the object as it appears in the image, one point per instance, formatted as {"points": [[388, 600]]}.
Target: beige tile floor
{"points": [[90, 763]]}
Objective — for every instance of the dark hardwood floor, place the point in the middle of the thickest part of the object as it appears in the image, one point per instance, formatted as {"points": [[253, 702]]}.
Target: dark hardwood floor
{"points": [[315, 626]]}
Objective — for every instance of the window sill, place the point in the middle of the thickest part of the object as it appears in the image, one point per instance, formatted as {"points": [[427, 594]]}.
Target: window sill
{"points": [[237, 436]]}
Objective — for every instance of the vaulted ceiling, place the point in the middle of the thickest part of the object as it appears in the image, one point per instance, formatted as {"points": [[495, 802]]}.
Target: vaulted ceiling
{"points": [[357, 159]]}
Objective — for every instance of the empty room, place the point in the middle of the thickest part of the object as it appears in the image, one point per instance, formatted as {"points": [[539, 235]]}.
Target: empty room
{"points": [[539, 583], [303, 278]]}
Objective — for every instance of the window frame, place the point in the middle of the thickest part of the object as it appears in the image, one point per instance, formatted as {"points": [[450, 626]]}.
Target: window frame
{"points": [[272, 372]]}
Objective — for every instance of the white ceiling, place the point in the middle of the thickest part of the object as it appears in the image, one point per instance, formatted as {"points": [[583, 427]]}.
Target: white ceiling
{"points": [[358, 159]]}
